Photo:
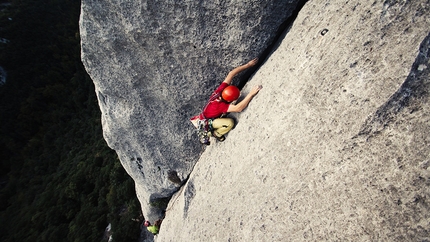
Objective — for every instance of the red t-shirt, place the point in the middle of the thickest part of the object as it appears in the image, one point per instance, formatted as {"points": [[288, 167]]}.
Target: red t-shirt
{"points": [[217, 107]]}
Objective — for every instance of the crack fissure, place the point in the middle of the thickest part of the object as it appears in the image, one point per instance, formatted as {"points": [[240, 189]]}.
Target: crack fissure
{"points": [[282, 31]]}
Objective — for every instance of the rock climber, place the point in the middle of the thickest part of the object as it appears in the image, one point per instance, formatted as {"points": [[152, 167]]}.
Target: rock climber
{"points": [[220, 103], [153, 228]]}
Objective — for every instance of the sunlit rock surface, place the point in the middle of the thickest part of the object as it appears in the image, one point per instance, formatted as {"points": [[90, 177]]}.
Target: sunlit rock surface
{"points": [[335, 147]]}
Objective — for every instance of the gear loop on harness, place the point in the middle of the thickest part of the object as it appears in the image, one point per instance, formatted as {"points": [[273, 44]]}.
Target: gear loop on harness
{"points": [[210, 127]]}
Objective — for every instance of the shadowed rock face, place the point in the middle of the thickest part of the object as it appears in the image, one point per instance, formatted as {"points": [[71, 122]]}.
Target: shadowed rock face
{"points": [[154, 65]]}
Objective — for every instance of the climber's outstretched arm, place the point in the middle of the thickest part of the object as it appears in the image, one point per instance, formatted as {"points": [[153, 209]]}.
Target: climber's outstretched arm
{"points": [[238, 70], [237, 108]]}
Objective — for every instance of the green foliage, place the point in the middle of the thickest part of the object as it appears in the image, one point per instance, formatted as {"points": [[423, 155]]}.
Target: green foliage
{"points": [[58, 179]]}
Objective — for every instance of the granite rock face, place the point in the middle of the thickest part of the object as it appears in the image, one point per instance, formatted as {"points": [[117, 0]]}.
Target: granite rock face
{"points": [[154, 64], [335, 147]]}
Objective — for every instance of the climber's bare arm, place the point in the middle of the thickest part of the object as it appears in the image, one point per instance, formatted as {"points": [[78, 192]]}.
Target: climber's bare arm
{"points": [[237, 108], [238, 70]]}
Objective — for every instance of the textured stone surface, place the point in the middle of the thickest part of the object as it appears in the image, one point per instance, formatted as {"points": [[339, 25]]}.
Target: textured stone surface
{"points": [[154, 64], [335, 147]]}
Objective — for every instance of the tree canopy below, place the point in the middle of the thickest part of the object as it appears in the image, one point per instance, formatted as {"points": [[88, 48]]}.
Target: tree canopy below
{"points": [[58, 179]]}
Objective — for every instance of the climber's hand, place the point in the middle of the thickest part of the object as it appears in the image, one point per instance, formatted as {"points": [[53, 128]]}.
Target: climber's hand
{"points": [[252, 62], [256, 89]]}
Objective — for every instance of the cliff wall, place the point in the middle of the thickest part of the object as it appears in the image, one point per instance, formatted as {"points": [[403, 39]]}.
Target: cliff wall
{"points": [[334, 147], [154, 65]]}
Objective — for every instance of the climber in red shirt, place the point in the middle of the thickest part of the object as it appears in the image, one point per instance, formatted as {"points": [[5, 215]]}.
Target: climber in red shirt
{"points": [[220, 103]]}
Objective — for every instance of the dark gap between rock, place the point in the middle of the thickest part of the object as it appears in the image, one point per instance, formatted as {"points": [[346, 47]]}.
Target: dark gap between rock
{"points": [[280, 35]]}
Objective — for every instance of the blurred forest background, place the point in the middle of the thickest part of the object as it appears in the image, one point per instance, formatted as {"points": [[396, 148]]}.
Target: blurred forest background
{"points": [[58, 179]]}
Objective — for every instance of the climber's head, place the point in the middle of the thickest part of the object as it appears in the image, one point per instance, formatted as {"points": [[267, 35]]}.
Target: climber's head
{"points": [[230, 93], [147, 223]]}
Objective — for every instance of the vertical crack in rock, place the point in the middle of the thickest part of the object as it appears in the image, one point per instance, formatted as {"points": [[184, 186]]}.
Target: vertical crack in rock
{"points": [[280, 35], [152, 66], [415, 87]]}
